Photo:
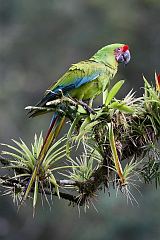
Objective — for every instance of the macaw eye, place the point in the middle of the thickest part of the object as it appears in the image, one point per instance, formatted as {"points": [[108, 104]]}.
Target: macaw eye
{"points": [[118, 49]]}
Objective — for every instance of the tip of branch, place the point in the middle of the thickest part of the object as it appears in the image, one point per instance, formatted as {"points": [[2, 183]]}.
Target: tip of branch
{"points": [[28, 108], [49, 103]]}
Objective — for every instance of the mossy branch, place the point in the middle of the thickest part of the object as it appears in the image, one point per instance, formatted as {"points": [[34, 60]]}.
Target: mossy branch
{"points": [[127, 129]]}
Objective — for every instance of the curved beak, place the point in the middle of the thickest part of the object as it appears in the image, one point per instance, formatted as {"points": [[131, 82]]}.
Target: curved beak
{"points": [[127, 57], [123, 57]]}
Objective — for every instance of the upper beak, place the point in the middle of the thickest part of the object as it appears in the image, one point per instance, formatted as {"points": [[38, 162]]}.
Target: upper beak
{"points": [[126, 56]]}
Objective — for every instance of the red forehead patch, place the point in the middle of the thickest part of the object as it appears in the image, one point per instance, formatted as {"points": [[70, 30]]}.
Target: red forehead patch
{"points": [[125, 48]]}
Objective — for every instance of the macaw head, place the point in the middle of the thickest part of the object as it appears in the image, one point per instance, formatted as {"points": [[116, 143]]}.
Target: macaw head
{"points": [[113, 54], [122, 54]]}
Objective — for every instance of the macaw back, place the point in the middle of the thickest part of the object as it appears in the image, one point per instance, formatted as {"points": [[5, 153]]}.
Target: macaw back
{"points": [[90, 89], [83, 81]]}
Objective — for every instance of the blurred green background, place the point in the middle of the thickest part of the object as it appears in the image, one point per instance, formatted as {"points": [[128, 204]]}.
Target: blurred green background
{"points": [[38, 42]]}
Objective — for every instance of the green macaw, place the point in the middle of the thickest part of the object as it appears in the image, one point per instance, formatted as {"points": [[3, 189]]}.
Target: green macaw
{"points": [[83, 81]]}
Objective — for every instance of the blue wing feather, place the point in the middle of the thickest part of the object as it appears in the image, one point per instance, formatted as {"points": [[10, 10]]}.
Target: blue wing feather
{"points": [[77, 83]]}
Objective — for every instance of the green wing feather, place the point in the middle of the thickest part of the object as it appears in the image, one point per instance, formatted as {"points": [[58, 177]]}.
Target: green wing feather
{"points": [[74, 77], [71, 82]]}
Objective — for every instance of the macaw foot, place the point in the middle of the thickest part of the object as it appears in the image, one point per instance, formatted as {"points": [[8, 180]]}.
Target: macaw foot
{"points": [[86, 107]]}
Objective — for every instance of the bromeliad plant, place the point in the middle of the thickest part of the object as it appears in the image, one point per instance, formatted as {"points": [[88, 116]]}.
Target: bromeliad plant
{"points": [[127, 129], [22, 160]]}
